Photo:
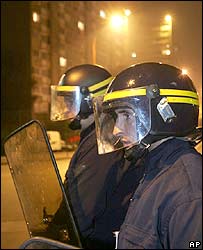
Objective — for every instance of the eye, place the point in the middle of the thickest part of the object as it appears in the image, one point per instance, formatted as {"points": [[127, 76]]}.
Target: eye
{"points": [[128, 116], [114, 115]]}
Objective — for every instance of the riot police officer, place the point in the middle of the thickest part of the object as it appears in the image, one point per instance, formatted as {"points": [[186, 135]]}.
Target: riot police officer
{"points": [[151, 109], [99, 186]]}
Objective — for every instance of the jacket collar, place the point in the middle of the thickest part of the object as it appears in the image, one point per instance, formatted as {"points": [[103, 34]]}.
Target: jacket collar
{"points": [[84, 133], [166, 153]]}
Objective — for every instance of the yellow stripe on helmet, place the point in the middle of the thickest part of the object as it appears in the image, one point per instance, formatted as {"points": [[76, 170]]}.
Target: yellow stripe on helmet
{"points": [[101, 92], [100, 84], [124, 93], [65, 88], [178, 92], [189, 96], [93, 88], [176, 99]]}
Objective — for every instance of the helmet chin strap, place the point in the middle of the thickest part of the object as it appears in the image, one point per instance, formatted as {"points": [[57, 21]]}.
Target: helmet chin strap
{"points": [[86, 122], [85, 117], [81, 122], [136, 152], [75, 124]]}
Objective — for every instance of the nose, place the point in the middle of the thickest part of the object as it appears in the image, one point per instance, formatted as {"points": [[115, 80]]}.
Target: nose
{"points": [[116, 130], [118, 127]]}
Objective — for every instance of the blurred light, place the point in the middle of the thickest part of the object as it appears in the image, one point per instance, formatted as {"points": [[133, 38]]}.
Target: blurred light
{"points": [[165, 27], [117, 21], [35, 17], [75, 76], [127, 12], [62, 61], [102, 14], [131, 83], [165, 34], [168, 18], [133, 55], [184, 71], [166, 52], [81, 25]]}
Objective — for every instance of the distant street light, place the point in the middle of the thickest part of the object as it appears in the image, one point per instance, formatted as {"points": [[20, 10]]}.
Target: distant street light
{"points": [[168, 22], [168, 18], [117, 23], [166, 35], [184, 71]]}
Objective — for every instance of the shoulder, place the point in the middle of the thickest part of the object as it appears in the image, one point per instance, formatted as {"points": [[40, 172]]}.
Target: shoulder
{"points": [[184, 174], [192, 170], [90, 137], [182, 182]]}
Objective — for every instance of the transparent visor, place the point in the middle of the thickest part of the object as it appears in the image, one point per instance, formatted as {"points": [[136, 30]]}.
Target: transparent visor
{"points": [[121, 123], [65, 102]]}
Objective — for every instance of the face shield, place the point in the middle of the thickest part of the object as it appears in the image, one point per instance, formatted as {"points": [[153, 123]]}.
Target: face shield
{"points": [[122, 119], [65, 102]]}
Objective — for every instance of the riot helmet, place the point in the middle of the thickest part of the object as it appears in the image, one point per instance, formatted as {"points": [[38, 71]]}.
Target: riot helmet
{"points": [[145, 103], [71, 99]]}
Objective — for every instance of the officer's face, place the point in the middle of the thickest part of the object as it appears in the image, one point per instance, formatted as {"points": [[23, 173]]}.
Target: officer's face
{"points": [[69, 102], [125, 125]]}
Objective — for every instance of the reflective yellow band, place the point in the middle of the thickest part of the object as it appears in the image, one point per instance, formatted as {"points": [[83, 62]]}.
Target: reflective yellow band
{"points": [[101, 92], [65, 88], [178, 92], [124, 93], [93, 88], [100, 84], [176, 99], [142, 91]]}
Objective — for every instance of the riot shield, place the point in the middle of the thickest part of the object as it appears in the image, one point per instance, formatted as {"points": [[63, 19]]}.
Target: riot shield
{"points": [[44, 243], [39, 185]]}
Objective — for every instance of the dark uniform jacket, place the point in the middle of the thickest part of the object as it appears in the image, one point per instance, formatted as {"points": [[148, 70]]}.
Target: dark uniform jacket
{"points": [[99, 188], [166, 209]]}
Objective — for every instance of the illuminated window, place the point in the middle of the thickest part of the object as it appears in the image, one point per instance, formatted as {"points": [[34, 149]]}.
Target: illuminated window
{"points": [[35, 17], [133, 55], [102, 14], [62, 61], [166, 52], [127, 12], [81, 25]]}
